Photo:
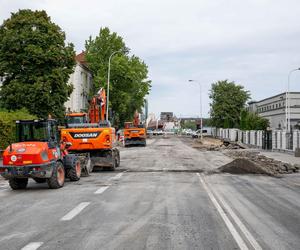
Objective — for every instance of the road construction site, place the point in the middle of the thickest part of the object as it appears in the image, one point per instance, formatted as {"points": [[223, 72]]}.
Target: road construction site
{"points": [[170, 194]]}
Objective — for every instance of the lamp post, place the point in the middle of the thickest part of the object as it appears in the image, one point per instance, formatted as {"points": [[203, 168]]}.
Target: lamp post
{"points": [[201, 135], [287, 103], [108, 79]]}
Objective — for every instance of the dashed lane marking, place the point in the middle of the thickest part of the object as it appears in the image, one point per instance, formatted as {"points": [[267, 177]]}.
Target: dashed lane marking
{"points": [[32, 246], [75, 211], [242, 245], [101, 190], [116, 177]]}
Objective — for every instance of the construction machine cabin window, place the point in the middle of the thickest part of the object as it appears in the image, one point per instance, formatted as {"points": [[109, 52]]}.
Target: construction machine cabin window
{"points": [[35, 131], [76, 119]]}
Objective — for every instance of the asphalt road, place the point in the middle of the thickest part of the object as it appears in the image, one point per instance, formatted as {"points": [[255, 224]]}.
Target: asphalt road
{"points": [[162, 197]]}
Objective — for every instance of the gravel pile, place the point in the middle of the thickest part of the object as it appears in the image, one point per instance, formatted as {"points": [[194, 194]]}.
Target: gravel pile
{"points": [[255, 163]]}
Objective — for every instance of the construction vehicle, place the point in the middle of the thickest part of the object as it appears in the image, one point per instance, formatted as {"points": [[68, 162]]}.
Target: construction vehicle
{"points": [[39, 154], [134, 132], [90, 134]]}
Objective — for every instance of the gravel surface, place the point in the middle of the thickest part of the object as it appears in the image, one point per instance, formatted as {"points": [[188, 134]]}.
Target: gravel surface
{"points": [[253, 162], [156, 200]]}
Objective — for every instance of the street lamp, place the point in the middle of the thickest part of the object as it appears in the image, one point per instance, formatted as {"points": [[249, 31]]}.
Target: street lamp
{"points": [[287, 103], [201, 135], [108, 78]]}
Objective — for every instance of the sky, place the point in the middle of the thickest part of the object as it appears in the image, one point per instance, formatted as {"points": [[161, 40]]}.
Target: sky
{"points": [[255, 43]]}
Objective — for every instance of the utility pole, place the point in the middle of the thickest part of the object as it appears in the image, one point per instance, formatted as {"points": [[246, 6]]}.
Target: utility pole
{"points": [[201, 134]]}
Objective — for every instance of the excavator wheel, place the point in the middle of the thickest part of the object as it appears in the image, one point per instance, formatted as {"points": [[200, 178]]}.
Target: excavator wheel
{"points": [[72, 167], [86, 165], [117, 158], [74, 172], [57, 179]]}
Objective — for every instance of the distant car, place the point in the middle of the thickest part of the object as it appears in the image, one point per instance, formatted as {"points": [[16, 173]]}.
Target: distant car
{"points": [[197, 133], [169, 132], [149, 132], [189, 132], [157, 132]]}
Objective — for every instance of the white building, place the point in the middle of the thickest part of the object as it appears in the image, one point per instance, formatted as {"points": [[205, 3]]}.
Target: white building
{"points": [[273, 109], [82, 81]]}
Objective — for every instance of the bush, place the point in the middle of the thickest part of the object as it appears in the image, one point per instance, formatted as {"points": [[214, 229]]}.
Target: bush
{"points": [[8, 125], [252, 121]]}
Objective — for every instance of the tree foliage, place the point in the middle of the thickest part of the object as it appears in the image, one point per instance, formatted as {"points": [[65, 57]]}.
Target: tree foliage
{"points": [[227, 102], [128, 74], [36, 64], [252, 121], [189, 125], [8, 125]]}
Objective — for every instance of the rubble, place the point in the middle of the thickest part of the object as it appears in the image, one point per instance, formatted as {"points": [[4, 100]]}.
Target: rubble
{"points": [[246, 161], [213, 144]]}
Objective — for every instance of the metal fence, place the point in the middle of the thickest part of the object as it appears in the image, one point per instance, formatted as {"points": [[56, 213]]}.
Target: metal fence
{"points": [[275, 139]]}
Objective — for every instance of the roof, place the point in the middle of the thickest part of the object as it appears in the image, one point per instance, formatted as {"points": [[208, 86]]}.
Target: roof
{"points": [[80, 58], [281, 94]]}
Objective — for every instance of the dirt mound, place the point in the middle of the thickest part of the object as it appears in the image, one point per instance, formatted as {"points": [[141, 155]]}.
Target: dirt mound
{"points": [[214, 144], [254, 163], [244, 166], [207, 143]]}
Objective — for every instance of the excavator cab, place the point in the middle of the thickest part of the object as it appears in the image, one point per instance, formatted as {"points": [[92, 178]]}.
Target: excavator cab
{"points": [[76, 118]]}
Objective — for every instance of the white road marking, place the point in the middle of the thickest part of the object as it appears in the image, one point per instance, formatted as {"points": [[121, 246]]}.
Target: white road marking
{"points": [[101, 190], [32, 246], [242, 245], [118, 176], [75, 211], [242, 227]]}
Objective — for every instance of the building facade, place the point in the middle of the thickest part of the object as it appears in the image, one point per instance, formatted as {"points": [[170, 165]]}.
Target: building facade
{"points": [[274, 109], [166, 116], [82, 81]]}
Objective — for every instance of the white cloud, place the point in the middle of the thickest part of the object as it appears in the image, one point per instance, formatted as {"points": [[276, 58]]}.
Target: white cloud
{"points": [[253, 42]]}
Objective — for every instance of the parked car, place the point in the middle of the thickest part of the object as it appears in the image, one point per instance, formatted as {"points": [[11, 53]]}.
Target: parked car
{"points": [[157, 132], [197, 133], [149, 132]]}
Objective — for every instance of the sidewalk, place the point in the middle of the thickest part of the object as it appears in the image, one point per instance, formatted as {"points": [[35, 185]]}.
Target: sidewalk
{"points": [[284, 157]]}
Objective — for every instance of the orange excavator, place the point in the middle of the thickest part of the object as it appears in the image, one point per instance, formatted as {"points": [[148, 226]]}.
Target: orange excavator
{"points": [[134, 132], [90, 134]]}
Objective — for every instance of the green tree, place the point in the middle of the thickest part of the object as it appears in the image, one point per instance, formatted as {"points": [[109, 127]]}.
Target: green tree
{"points": [[128, 78], [254, 122], [227, 102], [36, 64], [189, 125], [8, 125]]}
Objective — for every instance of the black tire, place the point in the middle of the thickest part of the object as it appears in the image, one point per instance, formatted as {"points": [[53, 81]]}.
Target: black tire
{"points": [[70, 164], [118, 158], [114, 162], [39, 180], [88, 167], [57, 180], [74, 172], [18, 183]]}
